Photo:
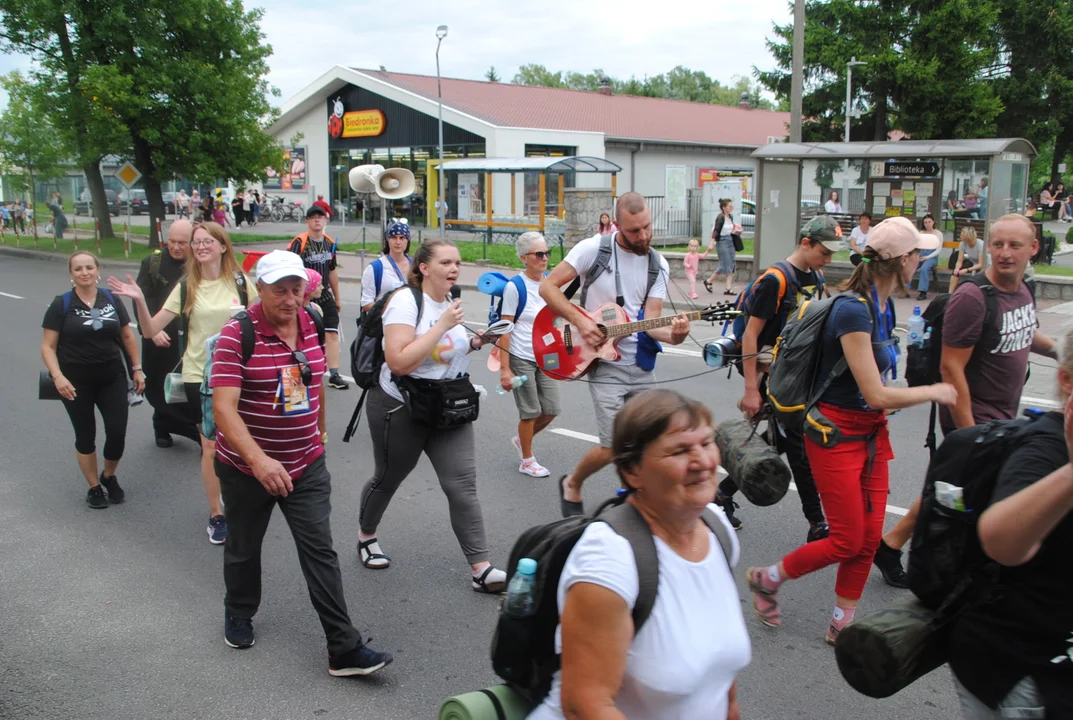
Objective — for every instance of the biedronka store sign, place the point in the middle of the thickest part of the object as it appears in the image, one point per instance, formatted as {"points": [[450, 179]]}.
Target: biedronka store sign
{"points": [[358, 123]]}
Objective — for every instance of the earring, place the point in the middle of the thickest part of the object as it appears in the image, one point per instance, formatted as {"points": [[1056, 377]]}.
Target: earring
{"points": [[98, 279], [72, 282]]}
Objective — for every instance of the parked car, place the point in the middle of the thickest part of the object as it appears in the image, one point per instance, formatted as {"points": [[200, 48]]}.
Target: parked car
{"points": [[747, 216], [84, 206], [139, 204]]}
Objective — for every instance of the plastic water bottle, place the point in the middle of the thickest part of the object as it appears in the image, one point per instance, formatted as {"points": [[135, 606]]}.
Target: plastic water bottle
{"points": [[916, 328], [927, 336], [521, 601], [517, 382]]}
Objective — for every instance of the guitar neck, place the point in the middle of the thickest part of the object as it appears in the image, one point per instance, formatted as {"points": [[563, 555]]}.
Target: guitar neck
{"points": [[613, 331]]}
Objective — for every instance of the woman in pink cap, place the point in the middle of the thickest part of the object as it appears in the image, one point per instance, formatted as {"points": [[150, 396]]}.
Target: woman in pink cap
{"points": [[852, 473]]}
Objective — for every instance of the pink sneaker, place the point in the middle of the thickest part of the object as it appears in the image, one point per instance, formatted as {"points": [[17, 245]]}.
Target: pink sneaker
{"points": [[693, 296], [532, 468], [835, 628], [764, 603]]}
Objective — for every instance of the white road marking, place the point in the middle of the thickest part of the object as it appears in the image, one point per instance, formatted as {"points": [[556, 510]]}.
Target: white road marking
{"points": [[14, 297], [1041, 402], [892, 509]]}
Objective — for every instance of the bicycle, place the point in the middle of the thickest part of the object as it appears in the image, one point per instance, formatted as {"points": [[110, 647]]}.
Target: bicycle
{"points": [[284, 210]]}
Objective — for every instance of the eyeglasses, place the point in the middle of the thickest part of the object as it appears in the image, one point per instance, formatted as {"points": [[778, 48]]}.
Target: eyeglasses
{"points": [[307, 370], [203, 243], [95, 319], [541, 255]]}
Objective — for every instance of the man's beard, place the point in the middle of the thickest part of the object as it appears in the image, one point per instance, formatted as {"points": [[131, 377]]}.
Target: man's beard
{"points": [[634, 248]]}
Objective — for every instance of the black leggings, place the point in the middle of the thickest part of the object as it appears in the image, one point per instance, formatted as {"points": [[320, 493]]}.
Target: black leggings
{"points": [[106, 388]]}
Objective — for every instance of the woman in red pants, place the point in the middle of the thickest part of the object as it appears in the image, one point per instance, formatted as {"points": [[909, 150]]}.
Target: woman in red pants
{"points": [[852, 474]]}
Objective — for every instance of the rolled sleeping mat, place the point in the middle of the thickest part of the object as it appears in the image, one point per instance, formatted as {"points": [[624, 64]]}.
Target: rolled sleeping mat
{"points": [[499, 702], [756, 467], [882, 653], [492, 283]]}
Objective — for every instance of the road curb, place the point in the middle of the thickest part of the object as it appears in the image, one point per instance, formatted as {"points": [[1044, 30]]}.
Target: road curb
{"points": [[48, 256]]}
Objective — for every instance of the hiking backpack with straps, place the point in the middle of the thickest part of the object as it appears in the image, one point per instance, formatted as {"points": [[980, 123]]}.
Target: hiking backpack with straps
{"points": [[794, 387], [647, 348], [523, 649], [249, 341], [923, 364], [947, 564], [303, 241], [378, 274], [367, 350], [184, 316], [495, 302]]}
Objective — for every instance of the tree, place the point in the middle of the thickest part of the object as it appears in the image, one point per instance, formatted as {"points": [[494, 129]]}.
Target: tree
{"points": [[185, 80], [925, 61], [30, 148], [538, 75], [492, 75]]}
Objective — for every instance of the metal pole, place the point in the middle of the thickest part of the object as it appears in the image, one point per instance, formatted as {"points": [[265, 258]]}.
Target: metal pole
{"points": [[797, 71], [845, 161], [442, 216]]}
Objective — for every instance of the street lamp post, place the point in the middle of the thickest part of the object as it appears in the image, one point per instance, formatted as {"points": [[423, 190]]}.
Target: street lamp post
{"points": [[853, 62], [441, 33]]}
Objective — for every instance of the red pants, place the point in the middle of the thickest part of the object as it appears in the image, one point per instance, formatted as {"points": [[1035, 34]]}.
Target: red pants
{"points": [[854, 499]]}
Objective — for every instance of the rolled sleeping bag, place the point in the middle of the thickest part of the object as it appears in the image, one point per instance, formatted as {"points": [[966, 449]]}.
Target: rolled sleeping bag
{"points": [[492, 283], [756, 467], [499, 702], [882, 653]]}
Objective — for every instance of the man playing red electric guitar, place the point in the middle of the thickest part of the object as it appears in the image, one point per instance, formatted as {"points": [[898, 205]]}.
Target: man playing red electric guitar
{"points": [[627, 282]]}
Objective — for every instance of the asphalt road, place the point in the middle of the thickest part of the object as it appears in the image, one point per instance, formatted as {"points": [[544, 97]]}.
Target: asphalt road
{"points": [[119, 613]]}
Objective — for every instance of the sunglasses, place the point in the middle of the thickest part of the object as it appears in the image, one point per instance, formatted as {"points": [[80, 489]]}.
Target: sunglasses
{"points": [[307, 370], [95, 319], [541, 255]]}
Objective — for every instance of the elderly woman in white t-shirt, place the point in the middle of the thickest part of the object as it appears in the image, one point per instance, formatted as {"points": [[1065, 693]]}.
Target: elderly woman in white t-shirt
{"points": [[537, 397], [684, 661]]}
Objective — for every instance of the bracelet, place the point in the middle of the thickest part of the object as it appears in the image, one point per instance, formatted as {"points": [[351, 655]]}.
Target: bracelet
{"points": [[135, 368]]}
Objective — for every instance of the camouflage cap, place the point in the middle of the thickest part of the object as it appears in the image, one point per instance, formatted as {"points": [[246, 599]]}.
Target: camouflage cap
{"points": [[825, 229]]}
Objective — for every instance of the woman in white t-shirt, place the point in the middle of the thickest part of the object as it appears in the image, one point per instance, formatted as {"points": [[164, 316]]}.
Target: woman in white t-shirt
{"points": [[972, 257], [537, 397], [216, 289], [427, 343], [859, 237], [832, 206], [388, 272], [684, 661]]}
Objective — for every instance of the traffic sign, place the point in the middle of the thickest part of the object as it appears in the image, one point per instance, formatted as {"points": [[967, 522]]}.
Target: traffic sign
{"points": [[128, 174]]}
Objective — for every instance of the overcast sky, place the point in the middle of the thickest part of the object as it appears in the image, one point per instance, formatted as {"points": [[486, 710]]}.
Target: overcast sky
{"points": [[623, 37]]}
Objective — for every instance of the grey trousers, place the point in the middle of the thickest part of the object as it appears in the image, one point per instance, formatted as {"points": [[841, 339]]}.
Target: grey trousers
{"points": [[397, 445]]}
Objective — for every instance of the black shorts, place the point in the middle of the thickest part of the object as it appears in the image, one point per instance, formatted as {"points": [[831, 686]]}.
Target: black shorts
{"points": [[329, 311]]}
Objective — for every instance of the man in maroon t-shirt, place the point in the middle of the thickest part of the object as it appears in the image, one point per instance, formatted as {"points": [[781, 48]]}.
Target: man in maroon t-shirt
{"points": [[987, 365], [270, 450]]}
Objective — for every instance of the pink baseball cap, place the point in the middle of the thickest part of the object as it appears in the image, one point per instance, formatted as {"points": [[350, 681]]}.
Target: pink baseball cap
{"points": [[897, 236]]}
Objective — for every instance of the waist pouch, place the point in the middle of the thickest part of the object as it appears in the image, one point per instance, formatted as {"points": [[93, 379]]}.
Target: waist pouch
{"points": [[439, 403]]}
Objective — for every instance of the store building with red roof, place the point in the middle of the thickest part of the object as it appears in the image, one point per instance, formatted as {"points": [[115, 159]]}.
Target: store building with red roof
{"points": [[349, 117]]}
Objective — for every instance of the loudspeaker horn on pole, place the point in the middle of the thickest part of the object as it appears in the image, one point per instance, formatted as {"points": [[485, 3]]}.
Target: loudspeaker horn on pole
{"points": [[395, 183], [363, 178]]}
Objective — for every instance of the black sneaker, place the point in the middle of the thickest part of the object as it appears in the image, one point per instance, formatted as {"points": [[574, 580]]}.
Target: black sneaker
{"points": [[238, 632], [889, 562], [337, 382], [115, 493], [164, 441], [95, 498], [817, 531], [728, 506], [922, 296], [362, 660]]}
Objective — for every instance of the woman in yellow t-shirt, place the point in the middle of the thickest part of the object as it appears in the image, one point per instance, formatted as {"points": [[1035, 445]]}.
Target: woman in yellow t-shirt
{"points": [[216, 289]]}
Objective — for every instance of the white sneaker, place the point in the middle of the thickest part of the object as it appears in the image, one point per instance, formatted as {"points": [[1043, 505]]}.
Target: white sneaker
{"points": [[532, 468], [517, 443]]}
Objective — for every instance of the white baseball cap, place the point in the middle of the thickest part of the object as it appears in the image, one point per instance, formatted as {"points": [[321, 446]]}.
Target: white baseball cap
{"points": [[279, 264]]}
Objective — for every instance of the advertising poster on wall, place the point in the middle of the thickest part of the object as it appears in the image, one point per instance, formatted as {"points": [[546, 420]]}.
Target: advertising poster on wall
{"points": [[469, 196], [676, 187], [294, 171]]}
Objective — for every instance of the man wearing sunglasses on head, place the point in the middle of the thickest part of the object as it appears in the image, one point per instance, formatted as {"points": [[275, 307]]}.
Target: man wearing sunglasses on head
{"points": [[270, 416]]}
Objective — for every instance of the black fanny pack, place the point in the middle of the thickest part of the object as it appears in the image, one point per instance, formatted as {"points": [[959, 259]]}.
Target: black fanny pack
{"points": [[439, 403]]}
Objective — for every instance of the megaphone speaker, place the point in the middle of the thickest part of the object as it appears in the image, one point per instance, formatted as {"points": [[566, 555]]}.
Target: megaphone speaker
{"points": [[395, 183], [363, 178]]}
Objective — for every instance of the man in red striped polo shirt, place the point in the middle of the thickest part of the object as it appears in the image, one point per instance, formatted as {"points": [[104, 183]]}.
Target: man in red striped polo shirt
{"points": [[270, 415]]}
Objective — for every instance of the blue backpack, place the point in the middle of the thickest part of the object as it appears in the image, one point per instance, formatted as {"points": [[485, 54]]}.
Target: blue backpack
{"points": [[69, 294], [378, 274], [493, 284]]}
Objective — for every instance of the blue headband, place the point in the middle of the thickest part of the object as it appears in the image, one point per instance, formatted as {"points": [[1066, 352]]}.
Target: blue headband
{"points": [[399, 228]]}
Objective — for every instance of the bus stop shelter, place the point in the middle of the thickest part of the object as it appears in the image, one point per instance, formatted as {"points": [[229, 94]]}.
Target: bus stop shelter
{"points": [[535, 213], [960, 182]]}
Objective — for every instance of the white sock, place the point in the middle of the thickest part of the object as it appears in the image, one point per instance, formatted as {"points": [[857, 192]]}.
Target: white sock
{"points": [[773, 574], [363, 537], [496, 576], [529, 460]]}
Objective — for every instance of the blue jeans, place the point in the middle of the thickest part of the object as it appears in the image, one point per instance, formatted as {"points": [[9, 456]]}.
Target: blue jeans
{"points": [[925, 273]]}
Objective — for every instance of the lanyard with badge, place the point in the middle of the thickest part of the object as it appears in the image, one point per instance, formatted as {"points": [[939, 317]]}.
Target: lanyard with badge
{"points": [[294, 382]]}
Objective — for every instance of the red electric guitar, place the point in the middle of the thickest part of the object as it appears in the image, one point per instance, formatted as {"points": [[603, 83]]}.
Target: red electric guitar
{"points": [[562, 353]]}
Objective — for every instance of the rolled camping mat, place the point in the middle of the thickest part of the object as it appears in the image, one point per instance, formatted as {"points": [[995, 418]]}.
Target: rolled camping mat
{"points": [[881, 653], [756, 467], [499, 702]]}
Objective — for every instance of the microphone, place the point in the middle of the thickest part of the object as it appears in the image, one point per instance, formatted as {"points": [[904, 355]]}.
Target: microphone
{"points": [[456, 292]]}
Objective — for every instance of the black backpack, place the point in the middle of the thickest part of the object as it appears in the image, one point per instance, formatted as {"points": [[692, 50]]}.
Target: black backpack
{"points": [[947, 565], [523, 649], [367, 350]]}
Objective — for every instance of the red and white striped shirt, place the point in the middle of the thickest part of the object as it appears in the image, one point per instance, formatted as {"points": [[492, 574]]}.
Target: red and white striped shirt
{"points": [[293, 440]]}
